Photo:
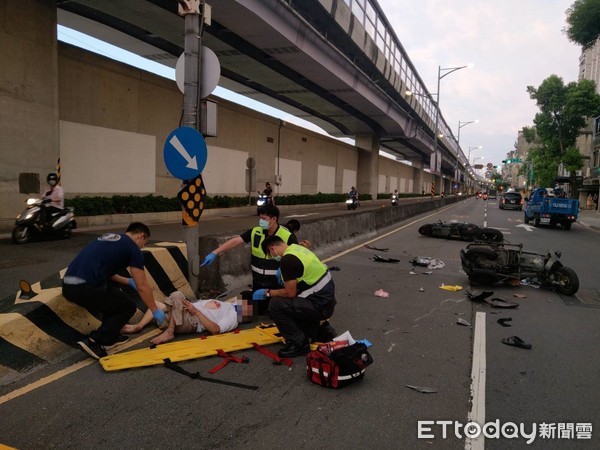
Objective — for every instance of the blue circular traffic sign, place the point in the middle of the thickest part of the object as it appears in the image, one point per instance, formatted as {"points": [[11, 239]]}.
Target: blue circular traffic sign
{"points": [[185, 153]]}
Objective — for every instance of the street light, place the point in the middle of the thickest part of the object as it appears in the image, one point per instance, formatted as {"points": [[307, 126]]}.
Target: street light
{"points": [[472, 148], [460, 125], [442, 72]]}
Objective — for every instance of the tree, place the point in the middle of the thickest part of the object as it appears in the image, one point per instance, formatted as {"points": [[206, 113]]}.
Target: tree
{"points": [[564, 110], [583, 22]]}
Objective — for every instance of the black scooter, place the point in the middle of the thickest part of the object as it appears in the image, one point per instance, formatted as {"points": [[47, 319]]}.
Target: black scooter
{"points": [[487, 264], [30, 223], [461, 231]]}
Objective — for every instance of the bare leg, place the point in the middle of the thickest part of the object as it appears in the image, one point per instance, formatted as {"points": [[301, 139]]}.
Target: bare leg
{"points": [[167, 335], [145, 320]]}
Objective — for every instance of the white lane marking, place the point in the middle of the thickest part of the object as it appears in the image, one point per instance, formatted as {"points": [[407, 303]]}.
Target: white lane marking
{"points": [[527, 227], [478, 373]]}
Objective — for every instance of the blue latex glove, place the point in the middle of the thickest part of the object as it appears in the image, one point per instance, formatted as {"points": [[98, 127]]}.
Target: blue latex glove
{"points": [[208, 259], [159, 315], [259, 294], [279, 277], [131, 284]]}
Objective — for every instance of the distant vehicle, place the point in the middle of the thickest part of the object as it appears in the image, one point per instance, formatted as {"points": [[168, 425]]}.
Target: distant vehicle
{"points": [[545, 209], [493, 193], [511, 200]]}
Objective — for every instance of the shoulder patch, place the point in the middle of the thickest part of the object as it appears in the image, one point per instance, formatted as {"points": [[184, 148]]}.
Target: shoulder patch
{"points": [[112, 237]]}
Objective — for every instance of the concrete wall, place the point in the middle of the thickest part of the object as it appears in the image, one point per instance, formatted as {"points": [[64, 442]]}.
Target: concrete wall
{"points": [[114, 119], [28, 96]]}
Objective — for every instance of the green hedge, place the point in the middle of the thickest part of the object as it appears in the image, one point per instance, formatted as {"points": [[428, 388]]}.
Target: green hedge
{"points": [[126, 204]]}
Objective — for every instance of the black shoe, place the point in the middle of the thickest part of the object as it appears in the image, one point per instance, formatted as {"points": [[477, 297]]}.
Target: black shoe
{"points": [[120, 340], [92, 348], [326, 332], [292, 350]]}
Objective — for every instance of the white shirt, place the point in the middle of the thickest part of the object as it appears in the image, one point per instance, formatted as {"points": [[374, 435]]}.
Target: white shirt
{"points": [[221, 313]]}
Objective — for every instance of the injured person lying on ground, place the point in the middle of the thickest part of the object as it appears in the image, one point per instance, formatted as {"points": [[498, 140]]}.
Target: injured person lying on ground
{"points": [[183, 316]]}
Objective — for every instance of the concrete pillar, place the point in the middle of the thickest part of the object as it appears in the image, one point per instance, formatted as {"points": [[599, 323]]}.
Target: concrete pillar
{"points": [[28, 97], [418, 177], [367, 177]]}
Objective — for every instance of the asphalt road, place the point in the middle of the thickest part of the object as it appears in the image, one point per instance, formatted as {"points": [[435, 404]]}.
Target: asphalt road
{"points": [[416, 341]]}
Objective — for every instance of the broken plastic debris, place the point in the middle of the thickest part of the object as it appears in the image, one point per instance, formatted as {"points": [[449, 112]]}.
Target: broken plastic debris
{"points": [[422, 389], [447, 287], [421, 289], [519, 296], [381, 293], [421, 261], [460, 321], [378, 258], [412, 273], [436, 264], [375, 248]]}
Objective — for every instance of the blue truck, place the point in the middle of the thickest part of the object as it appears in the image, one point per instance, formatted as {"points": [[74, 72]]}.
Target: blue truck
{"points": [[545, 209]]}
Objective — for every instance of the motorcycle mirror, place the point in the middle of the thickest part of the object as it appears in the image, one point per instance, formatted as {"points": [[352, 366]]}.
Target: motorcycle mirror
{"points": [[558, 253]]}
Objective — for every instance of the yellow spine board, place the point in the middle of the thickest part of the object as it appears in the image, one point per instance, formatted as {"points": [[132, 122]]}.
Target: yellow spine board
{"points": [[192, 348]]}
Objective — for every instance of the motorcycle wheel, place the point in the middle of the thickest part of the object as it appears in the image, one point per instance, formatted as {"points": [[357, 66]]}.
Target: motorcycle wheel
{"points": [[567, 225], [20, 234], [426, 230], [66, 233], [567, 279], [525, 218], [483, 277], [489, 235]]}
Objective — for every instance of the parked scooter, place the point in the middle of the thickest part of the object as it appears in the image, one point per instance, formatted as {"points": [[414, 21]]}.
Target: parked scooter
{"points": [[487, 264], [30, 223], [461, 231]]}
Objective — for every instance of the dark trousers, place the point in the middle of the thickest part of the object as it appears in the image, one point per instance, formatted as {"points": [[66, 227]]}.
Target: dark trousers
{"points": [[298, 318], [108, 302]]}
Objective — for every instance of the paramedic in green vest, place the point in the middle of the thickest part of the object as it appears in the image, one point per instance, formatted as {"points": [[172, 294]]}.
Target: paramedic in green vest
{"points": [[264, 269], [306, 299]]}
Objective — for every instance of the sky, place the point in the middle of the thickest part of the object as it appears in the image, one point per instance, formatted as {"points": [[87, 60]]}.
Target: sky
{"points": [[512, 44]]}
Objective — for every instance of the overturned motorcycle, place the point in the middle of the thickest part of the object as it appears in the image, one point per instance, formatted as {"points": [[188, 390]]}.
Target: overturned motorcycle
{"points": [[487, 264], [461, 231]]}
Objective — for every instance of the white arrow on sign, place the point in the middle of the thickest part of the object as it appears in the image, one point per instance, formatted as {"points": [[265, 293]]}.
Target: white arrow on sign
{"points": [[527, 227], [191, 162]]}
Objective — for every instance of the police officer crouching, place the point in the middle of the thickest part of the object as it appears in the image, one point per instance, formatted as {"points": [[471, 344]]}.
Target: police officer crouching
{"points": [[306, 299]]}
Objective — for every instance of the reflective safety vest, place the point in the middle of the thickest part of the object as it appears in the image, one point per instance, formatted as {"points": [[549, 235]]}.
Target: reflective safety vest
{"points": [[264, 270], [316, 275]]}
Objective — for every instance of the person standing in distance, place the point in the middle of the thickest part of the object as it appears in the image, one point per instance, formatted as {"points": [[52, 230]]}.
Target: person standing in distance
{"points": [[264, 269], [306, 299], [92, 280]]}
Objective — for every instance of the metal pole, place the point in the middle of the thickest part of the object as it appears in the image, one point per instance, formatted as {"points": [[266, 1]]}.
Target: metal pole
{"points": [[191, 118], [435, 138]]}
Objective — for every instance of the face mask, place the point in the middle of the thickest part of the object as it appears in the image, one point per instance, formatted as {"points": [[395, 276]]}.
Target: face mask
{"points": [[264, 224], [52, 182], [277, 258]]}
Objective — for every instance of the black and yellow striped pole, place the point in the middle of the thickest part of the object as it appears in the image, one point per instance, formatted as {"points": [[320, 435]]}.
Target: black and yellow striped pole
{"points": [[58, 171]]}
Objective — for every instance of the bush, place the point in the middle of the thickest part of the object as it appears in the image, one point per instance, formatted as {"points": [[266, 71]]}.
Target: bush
{"points": [[127, 204]]}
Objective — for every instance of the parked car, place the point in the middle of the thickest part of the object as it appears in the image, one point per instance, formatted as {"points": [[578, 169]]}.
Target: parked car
{"points": [[511, 200]]}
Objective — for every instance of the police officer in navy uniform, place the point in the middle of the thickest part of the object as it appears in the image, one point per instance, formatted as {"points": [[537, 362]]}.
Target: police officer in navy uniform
{"points": [[264, 269], [92, 280], [302, 307]]}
